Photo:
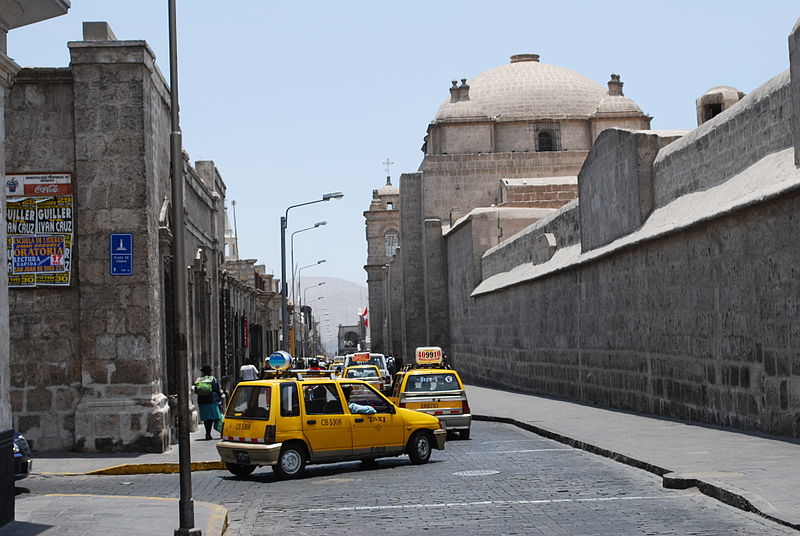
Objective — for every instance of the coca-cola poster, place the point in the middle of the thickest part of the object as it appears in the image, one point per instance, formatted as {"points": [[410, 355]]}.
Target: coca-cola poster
{"points": [[39, 225]]}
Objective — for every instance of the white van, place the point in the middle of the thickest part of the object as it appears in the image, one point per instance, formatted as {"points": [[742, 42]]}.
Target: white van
{"points": [[367, 358]]}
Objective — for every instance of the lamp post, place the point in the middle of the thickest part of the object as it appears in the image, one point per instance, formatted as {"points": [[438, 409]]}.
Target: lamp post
{"points": [[309, 288], [180, 296], [298, 289], [291, 249], [284, 286]]}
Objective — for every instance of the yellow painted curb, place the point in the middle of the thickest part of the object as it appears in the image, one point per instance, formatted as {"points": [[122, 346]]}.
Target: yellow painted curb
{"points": [[147, 468]]}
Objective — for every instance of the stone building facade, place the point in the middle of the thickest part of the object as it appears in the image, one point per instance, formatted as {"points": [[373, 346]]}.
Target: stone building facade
{"points": [[669, 286], [14, 16], [92, 362]]}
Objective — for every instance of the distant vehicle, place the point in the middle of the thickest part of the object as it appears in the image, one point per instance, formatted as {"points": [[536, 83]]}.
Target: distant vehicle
{"points": [[431, 387], [22, 457], [367, 373], [367, 358]]}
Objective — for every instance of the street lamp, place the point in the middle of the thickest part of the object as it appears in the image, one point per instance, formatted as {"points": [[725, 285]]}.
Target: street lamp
{"points": [[291, 242], [298, 293], [284, 286], [309, 288], [185, 503], [303, 268]]}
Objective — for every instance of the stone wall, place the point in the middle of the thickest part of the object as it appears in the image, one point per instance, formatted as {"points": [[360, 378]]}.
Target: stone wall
{"points": [[459, 183], [563, 224], [698, 325], [757, 125]]}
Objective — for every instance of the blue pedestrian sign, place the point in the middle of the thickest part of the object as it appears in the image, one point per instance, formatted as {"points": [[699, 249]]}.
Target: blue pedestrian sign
{"points": [[120, 253]]}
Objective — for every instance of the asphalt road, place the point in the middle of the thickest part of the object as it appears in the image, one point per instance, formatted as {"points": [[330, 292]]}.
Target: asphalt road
{"points": [[502, 481]]}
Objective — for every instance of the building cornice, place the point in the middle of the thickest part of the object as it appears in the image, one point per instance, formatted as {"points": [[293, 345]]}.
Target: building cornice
{"points": [[8, 70], [17, 13]]}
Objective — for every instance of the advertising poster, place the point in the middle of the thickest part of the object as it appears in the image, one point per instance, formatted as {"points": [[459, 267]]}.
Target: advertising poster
{"points": [[39, 227]]}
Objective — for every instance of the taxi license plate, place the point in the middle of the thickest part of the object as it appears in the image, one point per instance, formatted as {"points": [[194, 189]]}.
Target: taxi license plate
{"points": [[242, 457]]}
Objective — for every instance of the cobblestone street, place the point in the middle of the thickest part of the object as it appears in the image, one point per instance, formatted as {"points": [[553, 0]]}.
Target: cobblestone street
{"points": [[502, 481]]}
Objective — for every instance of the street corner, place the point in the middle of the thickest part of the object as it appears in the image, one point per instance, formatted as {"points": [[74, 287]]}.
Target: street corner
{"points": [[74, 514]]}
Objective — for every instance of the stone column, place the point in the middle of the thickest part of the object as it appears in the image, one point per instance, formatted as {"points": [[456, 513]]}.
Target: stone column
{"points": [[7, 71], [794, 71], [122, 160]]}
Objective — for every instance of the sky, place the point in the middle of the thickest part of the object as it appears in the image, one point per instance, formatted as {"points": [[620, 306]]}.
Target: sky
{"points": [[292, 100]]}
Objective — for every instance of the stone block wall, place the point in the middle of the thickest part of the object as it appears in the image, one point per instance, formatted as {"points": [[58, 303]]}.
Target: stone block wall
{"points": [[460, 183], [564, 224], [45, 366], [698, 325], [543, 194], [616, 184], [757, 125]]}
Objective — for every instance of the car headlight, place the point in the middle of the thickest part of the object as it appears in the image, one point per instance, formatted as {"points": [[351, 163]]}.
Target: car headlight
{"points": [[16, 447]]}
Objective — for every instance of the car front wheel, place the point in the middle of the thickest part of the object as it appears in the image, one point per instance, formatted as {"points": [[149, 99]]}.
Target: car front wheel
{"points": [[291, 462], [419, 447]]}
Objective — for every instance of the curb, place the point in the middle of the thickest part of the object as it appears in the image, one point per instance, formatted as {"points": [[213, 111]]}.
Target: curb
{"points": [[669, 479], [146, 468]]}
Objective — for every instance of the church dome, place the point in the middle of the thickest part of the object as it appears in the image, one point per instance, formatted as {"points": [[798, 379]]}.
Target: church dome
{"points": [[524, 89], [615, 103]]}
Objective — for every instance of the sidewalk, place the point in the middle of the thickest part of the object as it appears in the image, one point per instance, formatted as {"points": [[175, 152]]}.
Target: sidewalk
{"points": [[755, 472], [77, 515]]}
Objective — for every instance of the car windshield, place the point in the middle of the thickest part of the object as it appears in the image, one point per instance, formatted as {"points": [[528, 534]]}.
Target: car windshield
{"points": [[361, 373], [250, 402], [432, 381]]}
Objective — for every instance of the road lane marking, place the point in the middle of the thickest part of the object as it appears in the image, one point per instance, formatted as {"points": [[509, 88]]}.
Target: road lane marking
{"points": [[491, 503]]}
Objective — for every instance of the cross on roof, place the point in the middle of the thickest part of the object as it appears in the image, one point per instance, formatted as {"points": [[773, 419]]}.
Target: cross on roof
{"points": [[387, 164]]}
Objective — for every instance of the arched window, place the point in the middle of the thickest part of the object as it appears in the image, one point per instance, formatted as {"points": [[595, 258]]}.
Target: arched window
{"points": [[391, 241], [545, 142]]}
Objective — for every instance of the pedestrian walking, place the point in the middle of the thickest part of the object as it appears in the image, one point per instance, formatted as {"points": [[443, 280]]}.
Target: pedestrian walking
{"points": [[209, 397], [248, 372]]}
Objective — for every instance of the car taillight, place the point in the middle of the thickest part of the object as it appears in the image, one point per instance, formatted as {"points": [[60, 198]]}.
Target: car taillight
{"points": [[465, 407], [269, 433]]}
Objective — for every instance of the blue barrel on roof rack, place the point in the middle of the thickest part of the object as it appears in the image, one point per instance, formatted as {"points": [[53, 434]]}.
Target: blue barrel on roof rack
{"points": [[281, 360]]}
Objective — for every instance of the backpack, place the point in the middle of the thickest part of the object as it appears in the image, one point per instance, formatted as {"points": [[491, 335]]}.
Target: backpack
{"points": [[204, 386]]}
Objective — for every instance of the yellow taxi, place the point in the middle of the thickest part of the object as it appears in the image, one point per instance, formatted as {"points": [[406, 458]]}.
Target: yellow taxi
{"points": [[429, 386], [367, 373], [294, 418]]}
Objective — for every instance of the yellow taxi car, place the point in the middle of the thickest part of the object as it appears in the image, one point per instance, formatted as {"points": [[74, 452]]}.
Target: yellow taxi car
{"points": [[294, 418], [430, 386], [367, 373]]}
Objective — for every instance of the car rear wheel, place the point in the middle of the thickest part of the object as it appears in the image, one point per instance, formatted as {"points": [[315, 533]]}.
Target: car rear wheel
{"points": [[239, 469], [464, 434], [419, 447], [291, 461]]}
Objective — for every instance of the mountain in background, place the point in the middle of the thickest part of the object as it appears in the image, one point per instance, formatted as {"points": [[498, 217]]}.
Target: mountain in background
{"points": [[335, 303]]}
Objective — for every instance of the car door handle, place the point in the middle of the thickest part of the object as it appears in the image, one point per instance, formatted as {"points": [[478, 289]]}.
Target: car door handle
{"points": [[312, 421], [359, 420]]}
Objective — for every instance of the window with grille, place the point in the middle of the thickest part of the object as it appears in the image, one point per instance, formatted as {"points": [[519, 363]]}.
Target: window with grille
{"points": [[548, 136], [391, 241]]}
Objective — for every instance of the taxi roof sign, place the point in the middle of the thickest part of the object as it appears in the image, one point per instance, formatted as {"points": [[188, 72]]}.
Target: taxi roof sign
{"points": [[361, 357], [429, 355]]}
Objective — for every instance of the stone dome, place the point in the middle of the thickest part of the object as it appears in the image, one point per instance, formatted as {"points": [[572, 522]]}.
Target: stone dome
{"points": [[524, 89], [388, 189], [615, 103]]}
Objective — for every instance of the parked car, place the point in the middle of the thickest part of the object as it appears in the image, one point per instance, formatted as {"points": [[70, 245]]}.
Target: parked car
{"points": [[22, 457]]}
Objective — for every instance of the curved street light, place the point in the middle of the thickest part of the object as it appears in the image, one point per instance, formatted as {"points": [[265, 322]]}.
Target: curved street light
{"points": [[309, 288], [284, 286], [291, 248]]}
